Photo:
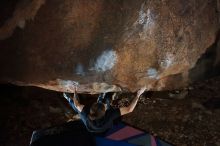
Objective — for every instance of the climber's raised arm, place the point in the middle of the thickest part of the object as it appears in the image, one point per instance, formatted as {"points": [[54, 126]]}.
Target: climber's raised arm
{"points": [[130, 108]]}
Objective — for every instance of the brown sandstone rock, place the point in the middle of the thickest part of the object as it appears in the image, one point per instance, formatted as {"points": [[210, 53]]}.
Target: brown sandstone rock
{"points": [[106, 45]]}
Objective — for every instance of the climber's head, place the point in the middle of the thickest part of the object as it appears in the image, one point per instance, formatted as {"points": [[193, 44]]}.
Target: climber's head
{"points": [[97, 111]]}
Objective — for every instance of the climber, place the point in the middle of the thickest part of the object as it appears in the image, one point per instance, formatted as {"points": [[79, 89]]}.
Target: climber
{"points": [[100, 116]]}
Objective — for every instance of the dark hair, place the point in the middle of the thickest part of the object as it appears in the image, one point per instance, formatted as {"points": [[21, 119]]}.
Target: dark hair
{"points": [[97, 111]]}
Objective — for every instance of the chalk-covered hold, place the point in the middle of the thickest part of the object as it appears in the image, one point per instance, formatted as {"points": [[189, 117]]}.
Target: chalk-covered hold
{"points": [[105, 61], [152, 73], [79, 70]]}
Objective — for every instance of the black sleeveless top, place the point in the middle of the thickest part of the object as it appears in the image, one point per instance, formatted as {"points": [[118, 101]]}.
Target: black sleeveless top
{"points": [[100, 125]]}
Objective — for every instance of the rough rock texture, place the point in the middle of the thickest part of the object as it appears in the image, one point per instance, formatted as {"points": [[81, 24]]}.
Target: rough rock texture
{"points": [[25, 10], [106, 45]]}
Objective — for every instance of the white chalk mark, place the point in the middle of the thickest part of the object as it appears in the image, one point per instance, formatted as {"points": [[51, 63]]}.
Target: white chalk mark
{"points": [[147, 20], [105, 61], [142, 16], [167, 61], [67, 84], [149, 23], [79, 69], [152, 73]]}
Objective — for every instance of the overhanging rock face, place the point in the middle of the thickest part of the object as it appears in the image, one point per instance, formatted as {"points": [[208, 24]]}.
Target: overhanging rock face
{"points": [[106, 45]]}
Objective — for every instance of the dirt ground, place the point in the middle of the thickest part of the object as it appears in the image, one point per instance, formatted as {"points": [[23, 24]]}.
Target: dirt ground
{"points": [[189, 117]]}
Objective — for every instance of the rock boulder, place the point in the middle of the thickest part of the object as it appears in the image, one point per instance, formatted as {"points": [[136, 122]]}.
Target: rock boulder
{"points": [[105, 46]]}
